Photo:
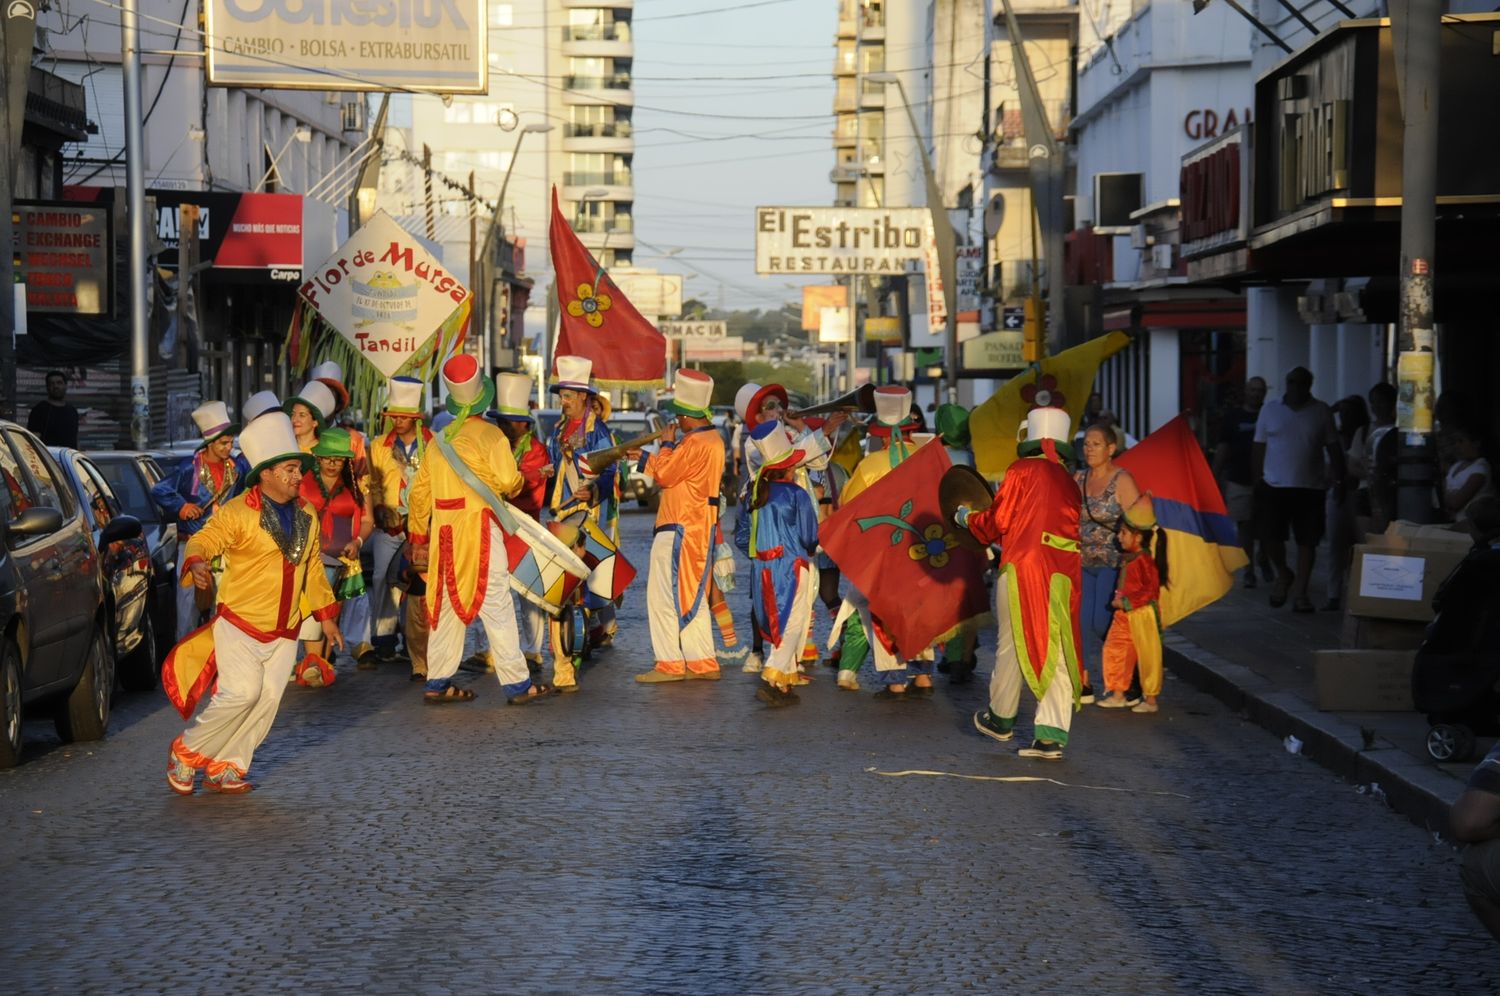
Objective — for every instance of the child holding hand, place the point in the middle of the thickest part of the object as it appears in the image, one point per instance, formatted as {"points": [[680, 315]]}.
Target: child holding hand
{"points": [[1135, 633]]}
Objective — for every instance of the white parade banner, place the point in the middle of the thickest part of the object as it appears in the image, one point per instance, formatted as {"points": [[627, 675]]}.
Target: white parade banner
{"points": [[384, 293]]}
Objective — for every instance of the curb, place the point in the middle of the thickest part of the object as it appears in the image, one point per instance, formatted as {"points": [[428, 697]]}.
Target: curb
{"points": [[1411, 787]]}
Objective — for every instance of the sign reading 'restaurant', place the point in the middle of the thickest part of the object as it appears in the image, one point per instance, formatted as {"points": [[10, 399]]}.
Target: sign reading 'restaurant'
{"points": [[437, 45], [840, 240], [384, 293], [63, 252]]}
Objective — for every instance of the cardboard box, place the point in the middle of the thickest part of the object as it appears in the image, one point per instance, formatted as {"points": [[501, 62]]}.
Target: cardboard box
{"points": [[1363, 680], [1394, 575], [1365, 633]]}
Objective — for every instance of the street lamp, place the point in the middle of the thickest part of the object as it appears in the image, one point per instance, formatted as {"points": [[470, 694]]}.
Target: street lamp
{"points": [[486, 254], [947, 248]]}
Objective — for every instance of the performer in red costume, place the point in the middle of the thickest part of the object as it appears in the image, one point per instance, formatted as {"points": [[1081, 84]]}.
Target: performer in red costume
{"points": [[1035, 521]]}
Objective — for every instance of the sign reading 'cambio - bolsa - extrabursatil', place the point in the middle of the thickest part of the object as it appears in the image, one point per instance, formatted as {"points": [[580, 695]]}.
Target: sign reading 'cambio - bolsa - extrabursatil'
{"points": [[348, 44], [384, 293], [840, 240]]}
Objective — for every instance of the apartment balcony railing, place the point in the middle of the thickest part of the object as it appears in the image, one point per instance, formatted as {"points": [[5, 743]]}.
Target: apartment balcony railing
{"points": [[619, 31], [619, 223], [603, 129], [607, 178], [619, 81]]}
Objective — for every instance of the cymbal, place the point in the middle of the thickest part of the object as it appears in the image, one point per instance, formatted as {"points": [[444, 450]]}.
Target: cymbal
{"points": [[963, 485]]}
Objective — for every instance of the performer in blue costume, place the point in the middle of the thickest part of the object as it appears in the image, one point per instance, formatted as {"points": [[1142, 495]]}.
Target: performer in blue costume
{"points": [[778, 531]]}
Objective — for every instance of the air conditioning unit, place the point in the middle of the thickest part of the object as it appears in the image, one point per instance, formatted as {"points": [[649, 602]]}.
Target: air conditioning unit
{"points": [[1161, 257], [1138, 237], [353, 114]]}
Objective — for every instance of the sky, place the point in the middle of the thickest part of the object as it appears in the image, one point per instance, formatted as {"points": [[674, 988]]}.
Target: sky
{"points": [[734, 110]]}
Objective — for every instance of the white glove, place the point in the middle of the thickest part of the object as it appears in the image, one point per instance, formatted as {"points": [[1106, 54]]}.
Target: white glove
{"points": [[961, 516]]}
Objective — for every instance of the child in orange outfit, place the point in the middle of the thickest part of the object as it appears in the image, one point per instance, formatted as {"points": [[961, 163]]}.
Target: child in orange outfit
{"points": [[1135, 634]]}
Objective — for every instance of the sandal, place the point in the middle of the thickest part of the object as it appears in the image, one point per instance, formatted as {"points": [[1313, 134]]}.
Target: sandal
{"points": [[535, 693], [887, 694], [450, 694]]}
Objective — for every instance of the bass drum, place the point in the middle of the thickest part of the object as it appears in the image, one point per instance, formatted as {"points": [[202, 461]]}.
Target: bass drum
{"points": [[543, 570]]}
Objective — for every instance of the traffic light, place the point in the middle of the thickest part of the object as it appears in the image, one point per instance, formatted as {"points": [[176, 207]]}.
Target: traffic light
{"points": [[1031, 331]]}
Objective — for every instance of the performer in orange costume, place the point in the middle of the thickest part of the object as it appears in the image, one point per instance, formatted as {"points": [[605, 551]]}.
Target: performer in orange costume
{"points": [[1035, 521]]}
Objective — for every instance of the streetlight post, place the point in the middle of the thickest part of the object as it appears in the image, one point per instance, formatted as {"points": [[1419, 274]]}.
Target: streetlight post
{"points": [[486, 253], [135, 195], [947, 243]]}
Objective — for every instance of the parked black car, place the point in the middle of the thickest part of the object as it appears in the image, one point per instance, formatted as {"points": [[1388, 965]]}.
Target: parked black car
{"points": [[54, 633], [131, 476], [125, 559]]}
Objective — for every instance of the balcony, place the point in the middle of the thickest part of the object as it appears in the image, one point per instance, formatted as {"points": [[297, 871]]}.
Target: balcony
{"points": [[613, 90], [602, 129], [612, 136], [616, 81], [606, 178], [871, 95], [845, 172], [620, 224], [609, 41]]}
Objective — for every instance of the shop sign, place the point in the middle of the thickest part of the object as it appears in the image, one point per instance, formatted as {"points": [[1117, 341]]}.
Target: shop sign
{"points": [[1205, 122], [384, 293], [694, 330], [437, 45], [994, 352], [883, 329], [840, 239], [1214, 190], [815, 297], [248, 237], [63, 255]]}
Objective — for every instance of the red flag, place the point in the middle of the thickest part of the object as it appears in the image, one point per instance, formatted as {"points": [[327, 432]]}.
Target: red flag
{"points": [[893, 544], [597, 320]]}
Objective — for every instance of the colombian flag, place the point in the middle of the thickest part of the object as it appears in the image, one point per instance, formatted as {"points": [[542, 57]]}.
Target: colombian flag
{"points": [[1202, 549]]}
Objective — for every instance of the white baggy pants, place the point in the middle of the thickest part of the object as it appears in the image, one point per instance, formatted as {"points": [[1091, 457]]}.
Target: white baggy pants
{"points": [[252, 678], [497, 613], [676, 646], [785, 660]]}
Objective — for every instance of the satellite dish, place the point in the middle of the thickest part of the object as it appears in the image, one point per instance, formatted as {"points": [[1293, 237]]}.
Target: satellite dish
{"points": [[994, 215]]}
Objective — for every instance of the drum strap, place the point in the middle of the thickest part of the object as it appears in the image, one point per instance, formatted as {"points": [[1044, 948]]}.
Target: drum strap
{"points": [[497, 504]]}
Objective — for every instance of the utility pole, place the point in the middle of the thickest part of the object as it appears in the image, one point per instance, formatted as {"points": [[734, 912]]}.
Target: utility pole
{"points": [[1416, 31], [137, 269], [427, 191]]}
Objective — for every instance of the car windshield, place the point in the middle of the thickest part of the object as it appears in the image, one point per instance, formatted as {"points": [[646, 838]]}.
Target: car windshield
{"points": [[129, 486]]}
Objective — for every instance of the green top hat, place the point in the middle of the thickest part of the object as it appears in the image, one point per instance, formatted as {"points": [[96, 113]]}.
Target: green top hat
{"points": [[334, 443]]}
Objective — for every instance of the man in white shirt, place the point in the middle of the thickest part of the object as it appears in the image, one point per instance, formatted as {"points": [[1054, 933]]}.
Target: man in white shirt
{"points": [[1291, 436]]}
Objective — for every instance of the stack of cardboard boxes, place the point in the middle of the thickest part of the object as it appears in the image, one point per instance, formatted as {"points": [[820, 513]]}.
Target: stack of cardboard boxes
{"points": [[1392, 580]]}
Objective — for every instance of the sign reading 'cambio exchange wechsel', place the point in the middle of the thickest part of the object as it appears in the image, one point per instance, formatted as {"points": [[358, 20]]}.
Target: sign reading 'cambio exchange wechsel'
{"points": [[384, 293], [435, 45], [840, 240], [63, 252]]}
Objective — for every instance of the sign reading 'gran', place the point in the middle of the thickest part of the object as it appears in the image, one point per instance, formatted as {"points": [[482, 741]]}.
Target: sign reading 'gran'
{"points": [[348, 44], [840, 240]]}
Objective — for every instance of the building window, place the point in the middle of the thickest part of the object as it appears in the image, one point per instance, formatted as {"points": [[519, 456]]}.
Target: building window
{"points": [[502, 15]]}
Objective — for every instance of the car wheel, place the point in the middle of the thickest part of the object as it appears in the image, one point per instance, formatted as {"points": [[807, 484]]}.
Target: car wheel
{"points": [[10, 705], [85, 715], [138, 670]]}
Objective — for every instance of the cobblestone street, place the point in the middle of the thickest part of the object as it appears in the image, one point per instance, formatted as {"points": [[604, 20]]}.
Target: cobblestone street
{"points": [[684, 838]]}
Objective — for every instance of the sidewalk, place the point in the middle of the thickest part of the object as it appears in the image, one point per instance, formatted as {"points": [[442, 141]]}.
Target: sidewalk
{"points": [[1259, 660]]}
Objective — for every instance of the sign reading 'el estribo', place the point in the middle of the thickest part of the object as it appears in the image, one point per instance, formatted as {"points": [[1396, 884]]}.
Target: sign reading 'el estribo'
{"points": [[840, 240]]}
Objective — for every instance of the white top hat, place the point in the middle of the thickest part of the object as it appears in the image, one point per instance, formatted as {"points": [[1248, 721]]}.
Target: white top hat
{"points": [[259, 403], [892, 404], [328, 369], [404, 397], [1048, 423], [512, 392], [316, 396], [465, 381], [742, 398], [268, 440], [773, 441], [692, 393], [212, 419], [573, 373]]}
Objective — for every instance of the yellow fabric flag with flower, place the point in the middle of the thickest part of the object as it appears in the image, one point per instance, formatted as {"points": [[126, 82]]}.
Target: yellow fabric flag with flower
{"points": [[1066, 379]]}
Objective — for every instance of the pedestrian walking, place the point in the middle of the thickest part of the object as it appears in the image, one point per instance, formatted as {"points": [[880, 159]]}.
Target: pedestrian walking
{"points": [[1235, 472], [190, 496], [54, 420], [455, 512], [1107, 489], [778, 531], [394, 459], [688, 468], [272, 567], [1352, 420], [1034, 519], [1291, 436]]}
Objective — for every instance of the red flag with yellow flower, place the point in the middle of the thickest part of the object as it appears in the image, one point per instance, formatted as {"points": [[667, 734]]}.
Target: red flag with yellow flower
{"points": [[597, 320], [892, 542]]}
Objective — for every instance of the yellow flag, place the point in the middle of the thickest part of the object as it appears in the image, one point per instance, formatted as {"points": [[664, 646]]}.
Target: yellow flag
{"points": [[994, 424]]}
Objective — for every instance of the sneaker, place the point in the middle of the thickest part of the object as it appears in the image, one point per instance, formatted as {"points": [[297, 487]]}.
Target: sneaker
{"points": [[1133, 698], [753, 664], [1047, 750], [986, 723], [1086, 695], [654, 677], [228, 782], [1113, 702], [1144, 706], [849, 681], [180, 774]]}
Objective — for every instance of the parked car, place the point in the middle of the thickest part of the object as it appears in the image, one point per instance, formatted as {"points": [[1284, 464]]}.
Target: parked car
{"points": [[125, 559], [130, 476], [54, 632]]}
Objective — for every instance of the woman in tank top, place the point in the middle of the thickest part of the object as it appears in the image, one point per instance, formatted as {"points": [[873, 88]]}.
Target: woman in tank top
{"points": [[1107, 491]]}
